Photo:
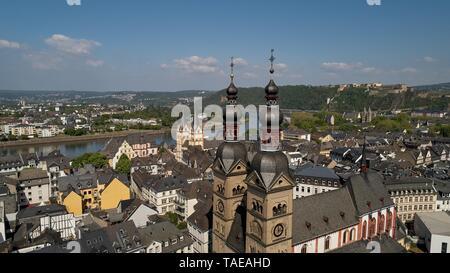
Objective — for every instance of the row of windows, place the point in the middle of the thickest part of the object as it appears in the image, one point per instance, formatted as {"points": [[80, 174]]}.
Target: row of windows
{"points": [[415, 199], [406, 192], [347, 238], [415, 208], [167, 208], [309, 189], [316, 182]]}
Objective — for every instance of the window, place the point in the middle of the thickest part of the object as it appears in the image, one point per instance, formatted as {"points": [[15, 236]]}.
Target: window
{"points": [[327, 243], [364, 230], [388, 221], [372, 227], [304, 249], [352, 235], [444, 248], [345, 239], [381, 223]]}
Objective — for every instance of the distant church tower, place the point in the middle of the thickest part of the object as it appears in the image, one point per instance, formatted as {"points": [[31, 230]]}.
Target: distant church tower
{"points": [[230, 170], [193, 136], [270, 186], [183, 135]]}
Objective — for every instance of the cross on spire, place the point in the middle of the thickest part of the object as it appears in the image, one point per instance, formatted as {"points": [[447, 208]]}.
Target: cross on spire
{"points": [[272, 60], [232, 69]]}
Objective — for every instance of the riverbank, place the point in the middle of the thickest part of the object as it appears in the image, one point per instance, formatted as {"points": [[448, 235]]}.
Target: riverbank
{"points": [[74, 139]]}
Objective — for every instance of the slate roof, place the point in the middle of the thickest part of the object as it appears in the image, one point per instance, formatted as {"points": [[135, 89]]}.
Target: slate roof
{"points": [[32, 174], [165, 232], [10, 203], [387, 244], [316, 171], [119, 238], [76, 183], [368, 192], [409, 183], [158, 183], [55, 158], [202, 216], [32, 212], [112, 146], [270, 165], [322, 214]]}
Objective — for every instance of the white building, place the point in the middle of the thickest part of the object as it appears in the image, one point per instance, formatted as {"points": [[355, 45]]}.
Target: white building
{"points": [[141, 215], [53, 217], [34, 187], [434, 229], [2, 223]]}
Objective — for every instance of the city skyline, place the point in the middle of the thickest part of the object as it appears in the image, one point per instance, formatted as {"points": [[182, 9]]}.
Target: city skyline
{"points": [[171, 46]]}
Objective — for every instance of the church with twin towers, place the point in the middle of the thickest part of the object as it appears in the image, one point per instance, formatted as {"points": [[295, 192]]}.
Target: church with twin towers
{"points": [[254, 210]]}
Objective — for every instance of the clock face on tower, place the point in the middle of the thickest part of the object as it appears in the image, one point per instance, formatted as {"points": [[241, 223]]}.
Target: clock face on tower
{"points": [[220, 206], [278, 231]]}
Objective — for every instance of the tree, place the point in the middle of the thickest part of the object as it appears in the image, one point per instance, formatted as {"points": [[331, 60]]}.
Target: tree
{"points": [[173, 218], [98, 160], [124, 165], [182, 225]]}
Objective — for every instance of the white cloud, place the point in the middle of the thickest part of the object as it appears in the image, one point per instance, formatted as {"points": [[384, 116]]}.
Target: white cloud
{"points": [[281, 67], [296, 76], [340, 66], [95, 63], [164, 66], [72, 46], [250, 75], [410, 70], [44, 61], [9, 44], [197, 64], [429, 59], [369, 70], [240, 61]]}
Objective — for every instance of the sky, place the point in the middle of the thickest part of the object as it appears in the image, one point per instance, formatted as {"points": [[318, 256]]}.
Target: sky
{"points": [[171, 45]]}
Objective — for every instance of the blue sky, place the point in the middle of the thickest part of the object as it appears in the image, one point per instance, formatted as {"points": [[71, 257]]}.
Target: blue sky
{"points": [[186, 44]]}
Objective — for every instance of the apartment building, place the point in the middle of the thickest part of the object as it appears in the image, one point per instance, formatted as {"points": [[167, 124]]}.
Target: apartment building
{"points": [[412, 195]]}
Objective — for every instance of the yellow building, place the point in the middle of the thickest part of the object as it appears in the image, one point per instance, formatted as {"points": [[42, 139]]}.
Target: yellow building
{"points": [[92, 191], [113, 193]]}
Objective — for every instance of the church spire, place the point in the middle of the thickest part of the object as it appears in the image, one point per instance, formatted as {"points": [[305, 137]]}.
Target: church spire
{"points": [[270, 140], [230, 114], [364, 167], [271, 88], [232, 90]]}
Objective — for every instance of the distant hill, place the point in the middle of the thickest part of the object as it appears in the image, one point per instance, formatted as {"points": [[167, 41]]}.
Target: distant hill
{"points": [[354, 99], [441, 87], [300, 97]]}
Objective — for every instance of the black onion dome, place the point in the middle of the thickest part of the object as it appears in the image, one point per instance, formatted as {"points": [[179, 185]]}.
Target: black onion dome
{"points": [[269, 165], [272, 90], [232, 91], [231, 152]]}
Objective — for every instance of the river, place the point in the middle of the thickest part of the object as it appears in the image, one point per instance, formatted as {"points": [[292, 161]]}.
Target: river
{"points": [[71, 150]]}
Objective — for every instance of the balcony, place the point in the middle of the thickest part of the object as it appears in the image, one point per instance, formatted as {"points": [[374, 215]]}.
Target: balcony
{"points": [[179, 203]]}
